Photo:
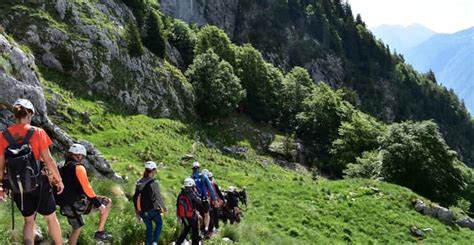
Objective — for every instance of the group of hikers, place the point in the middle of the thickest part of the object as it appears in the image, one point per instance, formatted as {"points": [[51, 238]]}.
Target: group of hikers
{"points": [[30, 176]]}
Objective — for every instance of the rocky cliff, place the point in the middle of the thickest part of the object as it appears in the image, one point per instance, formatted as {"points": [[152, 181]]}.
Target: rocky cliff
{"points": [[83, 45]]}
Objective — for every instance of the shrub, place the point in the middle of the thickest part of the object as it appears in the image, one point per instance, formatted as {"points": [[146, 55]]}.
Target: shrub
{"points": [[184, 39], [368, 166]]}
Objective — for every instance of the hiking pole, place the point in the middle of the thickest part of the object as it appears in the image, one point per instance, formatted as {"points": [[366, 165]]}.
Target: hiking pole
{"points": [[13, 213]]}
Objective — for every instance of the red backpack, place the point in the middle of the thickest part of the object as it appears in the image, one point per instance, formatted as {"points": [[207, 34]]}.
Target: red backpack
{"points": [[184, 206]]}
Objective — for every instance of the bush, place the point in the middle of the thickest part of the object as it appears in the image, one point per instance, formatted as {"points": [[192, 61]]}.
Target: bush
{"points": [[354, 137], [217, 88], [368, 166], [416, 156]]}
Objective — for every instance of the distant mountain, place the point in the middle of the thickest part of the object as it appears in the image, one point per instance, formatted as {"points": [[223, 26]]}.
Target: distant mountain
{"points": [[402, 38], [451, 58]]}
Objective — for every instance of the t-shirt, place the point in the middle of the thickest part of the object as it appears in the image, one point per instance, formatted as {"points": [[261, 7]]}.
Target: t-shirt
{"points": [[81, 175], [39, 142]]}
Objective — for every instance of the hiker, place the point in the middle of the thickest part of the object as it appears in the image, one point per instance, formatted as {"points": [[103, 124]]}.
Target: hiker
{"points": [[231, 209], [79, 198], [149, 203], [24, 152], [243, 196], [203, 186], [214, 210], [186, 209]]}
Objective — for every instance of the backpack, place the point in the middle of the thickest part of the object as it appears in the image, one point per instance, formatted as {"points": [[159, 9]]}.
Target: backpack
{"points": [[23, 171], [184, 206], [142, 199], [200, 185]]}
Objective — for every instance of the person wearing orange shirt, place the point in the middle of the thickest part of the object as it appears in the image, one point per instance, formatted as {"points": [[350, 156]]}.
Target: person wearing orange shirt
{"points": [[79, 198], [41, 199]]}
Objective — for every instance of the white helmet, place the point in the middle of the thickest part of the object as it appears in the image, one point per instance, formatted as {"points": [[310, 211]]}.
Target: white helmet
{"points": [[78, 149], [196, 165], [210, 175], [188, 182], [150, 165], [232, 188], [205, 172], [25, 103]]}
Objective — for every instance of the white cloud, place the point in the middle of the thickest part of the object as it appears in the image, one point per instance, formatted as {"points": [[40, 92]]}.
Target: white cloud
{"points": [[439, 15]]}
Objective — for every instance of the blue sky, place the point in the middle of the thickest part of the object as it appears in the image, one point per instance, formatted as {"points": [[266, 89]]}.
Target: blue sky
{"points": [[445, 16]]}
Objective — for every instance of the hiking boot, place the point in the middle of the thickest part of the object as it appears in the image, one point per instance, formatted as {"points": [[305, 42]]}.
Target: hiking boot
{"points": [[102, 235], [207, 235]]}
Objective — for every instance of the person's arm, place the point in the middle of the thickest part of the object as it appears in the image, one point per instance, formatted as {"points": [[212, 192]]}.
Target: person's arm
{"points": [[157, 192], [194, 198], [81, 175], [51, 165], [209, 187]]}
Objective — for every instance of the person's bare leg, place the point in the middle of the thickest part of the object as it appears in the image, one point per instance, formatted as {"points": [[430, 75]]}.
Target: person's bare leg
{"points": [[104, 213], [29, 230], [207, 219], [54, 228], [74, 236]]}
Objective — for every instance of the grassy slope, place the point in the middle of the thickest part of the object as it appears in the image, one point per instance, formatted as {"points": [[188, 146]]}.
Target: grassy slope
{"points": [[285, 207]]}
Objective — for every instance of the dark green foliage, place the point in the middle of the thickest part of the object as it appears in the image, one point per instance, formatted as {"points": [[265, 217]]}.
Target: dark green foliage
{"points": [[135, 46], [217, 89], [416, 156], [356, 136], [154, 39], [138, 8], [322, 114], [184, 39], [211, 37], [297, 85], [263, 84]]}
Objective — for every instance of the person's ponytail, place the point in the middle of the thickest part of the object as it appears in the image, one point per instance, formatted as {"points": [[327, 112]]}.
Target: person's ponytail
{"points": [[20, 111]]}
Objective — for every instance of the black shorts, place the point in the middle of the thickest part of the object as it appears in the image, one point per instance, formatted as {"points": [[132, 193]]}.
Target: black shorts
{"points": [[204, 208], [41, 200]]}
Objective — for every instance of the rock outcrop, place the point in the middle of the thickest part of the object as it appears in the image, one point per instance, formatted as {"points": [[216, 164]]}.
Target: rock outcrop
{"points": [[18, 79], [85, 45]]}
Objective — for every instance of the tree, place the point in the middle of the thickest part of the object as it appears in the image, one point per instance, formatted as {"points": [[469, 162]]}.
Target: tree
{"points": [[135, 46], [263, 84], [323, 112], [184, 39], [217, 88], [211, 37], [416, 156], [154, 39], [356, 136], [297, 85]]}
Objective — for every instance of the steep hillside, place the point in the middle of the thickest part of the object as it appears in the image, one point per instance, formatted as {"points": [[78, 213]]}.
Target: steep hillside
{"points": [[402, 38], [451, 58], [286, 206], [334, 46]]}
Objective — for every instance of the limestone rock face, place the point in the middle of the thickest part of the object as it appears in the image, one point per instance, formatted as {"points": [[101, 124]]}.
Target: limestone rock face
{"points": [[87, 42], [18, 79]]}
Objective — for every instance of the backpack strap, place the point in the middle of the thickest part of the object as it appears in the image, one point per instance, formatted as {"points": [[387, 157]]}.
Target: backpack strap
{"points": [[27, 138], [9, 137]]}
